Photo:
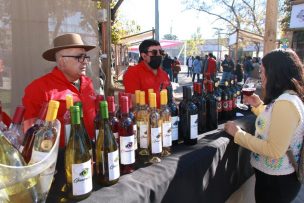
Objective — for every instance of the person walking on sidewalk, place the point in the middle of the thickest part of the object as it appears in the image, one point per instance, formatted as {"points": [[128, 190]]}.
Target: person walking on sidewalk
{"points": [[197, 68], [190, 65]]}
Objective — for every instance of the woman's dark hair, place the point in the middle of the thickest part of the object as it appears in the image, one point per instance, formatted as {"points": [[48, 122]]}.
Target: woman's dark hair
{"points": [[284, 71]]}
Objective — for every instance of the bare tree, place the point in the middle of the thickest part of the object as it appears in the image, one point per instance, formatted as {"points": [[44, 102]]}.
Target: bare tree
{"points": [[236, 14]]}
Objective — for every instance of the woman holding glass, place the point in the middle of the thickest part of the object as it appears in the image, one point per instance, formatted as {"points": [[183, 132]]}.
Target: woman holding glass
{"points": [[279, 127]]}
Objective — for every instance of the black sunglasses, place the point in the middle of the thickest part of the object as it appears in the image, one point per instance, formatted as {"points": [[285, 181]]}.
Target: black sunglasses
{"points": [[80, 57], [154, 52]]}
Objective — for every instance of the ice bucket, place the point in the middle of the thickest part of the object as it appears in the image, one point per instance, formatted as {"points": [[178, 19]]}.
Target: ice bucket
{"points": [[31, 183]]}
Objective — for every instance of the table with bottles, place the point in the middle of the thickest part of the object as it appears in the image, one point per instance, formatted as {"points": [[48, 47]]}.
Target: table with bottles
{"points": [[209, 171]]}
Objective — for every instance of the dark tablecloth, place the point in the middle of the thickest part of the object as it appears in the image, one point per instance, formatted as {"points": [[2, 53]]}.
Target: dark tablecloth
{"points": [[207, 172]]}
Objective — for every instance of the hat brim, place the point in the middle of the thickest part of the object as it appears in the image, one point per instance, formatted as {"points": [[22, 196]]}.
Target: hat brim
{"points": [[49, 55]]}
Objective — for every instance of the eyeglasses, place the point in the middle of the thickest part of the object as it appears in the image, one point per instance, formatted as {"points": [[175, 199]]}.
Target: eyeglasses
{"points": [[80, 58], [154, 52]]}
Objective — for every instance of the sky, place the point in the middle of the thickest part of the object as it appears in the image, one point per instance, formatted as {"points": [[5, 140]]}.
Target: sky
{"points": [[172, 13]]}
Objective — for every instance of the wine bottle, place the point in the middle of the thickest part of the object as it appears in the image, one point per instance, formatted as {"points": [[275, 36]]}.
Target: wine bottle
{"points": [[174, 116], [30, 134], [218, 95], [234, 99], [126, 138], [20, 192], [107, 157], [85, 133], [188, 118], [137, 106], [165, 117], [44, 141], [14, 133], [200, 102], [97, 118], [133, 118], [118, 112], [182, 105], [142, 120], [211, 104], [155, 131], [67, 118], [225, 101], [3, 126], [114, 122], [78, 168]]}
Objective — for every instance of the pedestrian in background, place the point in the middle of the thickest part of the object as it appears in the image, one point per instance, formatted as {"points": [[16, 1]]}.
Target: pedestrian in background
{"points": [[189, 63], [228, 67], [167, 66], [176, 68], [197, 68], [279, 127]]}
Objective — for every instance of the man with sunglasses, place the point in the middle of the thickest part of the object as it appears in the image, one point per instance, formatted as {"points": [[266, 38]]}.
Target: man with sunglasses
{"points": [[68, 77], [147, 74]]}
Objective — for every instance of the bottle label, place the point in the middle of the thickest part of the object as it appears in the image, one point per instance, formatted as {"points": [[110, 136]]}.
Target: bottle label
{"points": [[167, 134], [238, 99], [96, 134], [116, 135], [156, 144], [113, 164], [82, 178], [230, 105], [193, 124], [37, 156], [175, 120], [219, 104], [67, 132], [225, 106], [127, 152], [143, 136], [135, 136]]}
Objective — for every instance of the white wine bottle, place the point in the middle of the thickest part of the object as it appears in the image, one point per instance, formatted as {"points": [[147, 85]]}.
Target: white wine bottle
{"points": [[43, 143], [78, 163], [142, 119], [155, 131], [67, 118], [85, 135], [107, 156], [24, 192], [165, 117]]}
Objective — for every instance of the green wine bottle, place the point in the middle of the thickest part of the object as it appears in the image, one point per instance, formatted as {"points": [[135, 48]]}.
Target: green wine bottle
{"points": [[107, 157], [78, 163], [82, 127]]}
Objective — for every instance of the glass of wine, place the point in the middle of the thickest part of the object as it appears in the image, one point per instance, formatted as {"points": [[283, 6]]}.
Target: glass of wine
{"points": [[248, 89]]}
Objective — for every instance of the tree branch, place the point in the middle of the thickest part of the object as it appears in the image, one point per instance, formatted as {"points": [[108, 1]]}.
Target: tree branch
{"points": [[252, 10], [217, 15]]}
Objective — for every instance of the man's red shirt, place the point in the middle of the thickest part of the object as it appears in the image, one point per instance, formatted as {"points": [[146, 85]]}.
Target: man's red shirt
{"points": [[140, 77], [55, 86], [211, 66]]}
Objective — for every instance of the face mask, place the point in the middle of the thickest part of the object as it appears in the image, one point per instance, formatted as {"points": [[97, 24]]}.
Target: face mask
{"points": [[155, 61]]}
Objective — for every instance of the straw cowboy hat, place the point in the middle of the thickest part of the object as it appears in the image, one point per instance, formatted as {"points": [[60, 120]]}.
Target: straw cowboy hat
{"points": [[70, 40]]}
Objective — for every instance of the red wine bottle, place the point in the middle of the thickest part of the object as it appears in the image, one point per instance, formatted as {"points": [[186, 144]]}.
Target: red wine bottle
{"points": [[29, 136], [174, 116], [211, 104], [188, 118], [114, 122], [200, 102], [126, 138]]}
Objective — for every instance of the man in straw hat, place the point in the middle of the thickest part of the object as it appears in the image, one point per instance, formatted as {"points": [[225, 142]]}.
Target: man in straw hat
{"points": [[68, 77]]}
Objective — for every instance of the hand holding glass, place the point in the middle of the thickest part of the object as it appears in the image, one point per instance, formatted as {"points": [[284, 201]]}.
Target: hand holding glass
{"points": [[249, 86]]}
